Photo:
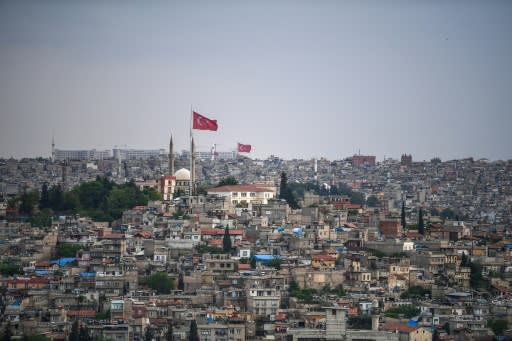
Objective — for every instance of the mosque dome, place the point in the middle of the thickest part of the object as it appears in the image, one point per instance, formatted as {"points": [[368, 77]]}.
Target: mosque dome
{"points": [[182, 175]]}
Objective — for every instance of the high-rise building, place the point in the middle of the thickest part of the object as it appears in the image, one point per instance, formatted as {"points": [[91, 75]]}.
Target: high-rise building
{"points": [[85, 154], [126, 154]]}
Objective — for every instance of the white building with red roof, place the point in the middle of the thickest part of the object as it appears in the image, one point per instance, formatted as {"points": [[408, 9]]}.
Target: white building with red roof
{"points": [[247, 193]]}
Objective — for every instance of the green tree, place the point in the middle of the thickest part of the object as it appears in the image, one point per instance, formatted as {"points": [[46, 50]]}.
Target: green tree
{"points": [[416, 292], [161, 282], [71, 201], [497, 326], [192, 334], [56, 198], [28, 202], [402, 216], [476, 279], [202, 189], [42, 218], [181, 282], [67, 249], [304, 295], [447, 214], [372, 201], [103, 315], [9, 269], [226, 241], [421, 223], [230, 180], [44, 201], [283, 186], [360, 322], [407, 310], [464, 260], [357, 198], [275, 263], [209, 249], [151, 194], [285, 193]]}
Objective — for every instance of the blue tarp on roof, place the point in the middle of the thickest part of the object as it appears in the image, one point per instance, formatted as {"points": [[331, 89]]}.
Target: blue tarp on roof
{"points": [[298, 231], [412, 323], [64, 261], [263, 258], [41, 272], [87, 274]]}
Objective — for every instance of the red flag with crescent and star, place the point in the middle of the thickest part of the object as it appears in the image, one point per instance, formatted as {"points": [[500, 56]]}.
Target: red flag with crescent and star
{"points": [[203, 123], [244, 148]]}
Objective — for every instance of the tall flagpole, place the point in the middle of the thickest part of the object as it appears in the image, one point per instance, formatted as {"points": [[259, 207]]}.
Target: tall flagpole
{"points": [[191, 158]]}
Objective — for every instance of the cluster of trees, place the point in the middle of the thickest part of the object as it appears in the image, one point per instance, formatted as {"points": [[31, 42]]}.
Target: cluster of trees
{"points": [[298, 189], [407, 311], [230, 180], [286, 193], [476, 279], [360, 322], [416, 292], [304, 295], [100, 199], [67, 250], [497, 326], [161, 282], [381, 254], [337, 290], [8, 269]]}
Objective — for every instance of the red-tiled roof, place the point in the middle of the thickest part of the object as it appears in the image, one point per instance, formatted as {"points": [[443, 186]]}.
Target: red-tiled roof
{"points": [[244, 266], [353, 206], [143, 234], [215, 242], [82, 313], [401, 328], [33, 280], [414, 234]]}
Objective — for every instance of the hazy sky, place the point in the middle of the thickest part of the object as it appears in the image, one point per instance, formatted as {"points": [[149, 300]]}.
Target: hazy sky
{"points": [[296, 79]]}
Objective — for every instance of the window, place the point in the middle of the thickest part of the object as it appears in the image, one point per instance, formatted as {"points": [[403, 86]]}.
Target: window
{"points": [[235, 194], [243, 194], [252, 194]]}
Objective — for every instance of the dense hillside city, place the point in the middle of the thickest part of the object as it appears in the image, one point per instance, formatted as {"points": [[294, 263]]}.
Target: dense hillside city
{"points": [[231, 248]]}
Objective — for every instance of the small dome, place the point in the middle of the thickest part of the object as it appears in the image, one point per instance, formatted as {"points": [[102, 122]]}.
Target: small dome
{"points": [[182, 175]]}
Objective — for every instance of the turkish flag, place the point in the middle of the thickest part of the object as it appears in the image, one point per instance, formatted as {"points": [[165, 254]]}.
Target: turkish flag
{"points": [[203, 123], [244, 148]]}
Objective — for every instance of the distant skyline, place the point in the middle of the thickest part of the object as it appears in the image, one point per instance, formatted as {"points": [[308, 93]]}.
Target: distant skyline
{"points": [[295, 79]]}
